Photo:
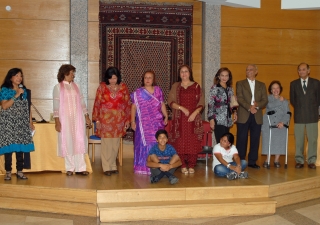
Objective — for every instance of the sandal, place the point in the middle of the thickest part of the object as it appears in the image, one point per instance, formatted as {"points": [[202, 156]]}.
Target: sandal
{"points": [[21, 176], [184, 170], [191, 170], [8, 175], [69, 173], [84, 173]]}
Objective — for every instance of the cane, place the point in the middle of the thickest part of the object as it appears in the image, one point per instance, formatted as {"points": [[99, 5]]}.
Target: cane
{"points": [[270, 127], [287, 126]]}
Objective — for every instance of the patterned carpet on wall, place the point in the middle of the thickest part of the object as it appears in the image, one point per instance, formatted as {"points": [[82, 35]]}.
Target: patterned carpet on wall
{"points": [[136, 37]]}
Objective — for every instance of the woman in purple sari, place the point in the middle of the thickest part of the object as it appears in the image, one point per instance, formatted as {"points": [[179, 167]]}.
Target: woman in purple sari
{"points": [[148, 115]]}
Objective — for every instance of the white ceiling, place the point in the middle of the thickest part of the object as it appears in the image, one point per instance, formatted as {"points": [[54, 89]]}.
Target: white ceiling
{"points": [[285, 4]]}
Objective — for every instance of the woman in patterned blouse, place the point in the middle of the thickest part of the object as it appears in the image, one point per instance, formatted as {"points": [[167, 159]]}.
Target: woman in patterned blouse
{"points": [[15, 122], [219, 110], [111, 112]]}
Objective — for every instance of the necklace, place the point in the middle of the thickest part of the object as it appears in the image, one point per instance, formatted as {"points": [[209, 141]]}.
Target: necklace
{"points": [[113, 88], [113, 91], [185, 86]]}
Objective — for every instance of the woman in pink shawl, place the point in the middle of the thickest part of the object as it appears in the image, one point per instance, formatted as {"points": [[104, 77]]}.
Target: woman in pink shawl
{"points": [[71, 117], [148, 115]]}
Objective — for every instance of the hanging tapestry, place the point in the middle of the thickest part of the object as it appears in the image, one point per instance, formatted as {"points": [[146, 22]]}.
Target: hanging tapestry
{"points": [[136, 37]]}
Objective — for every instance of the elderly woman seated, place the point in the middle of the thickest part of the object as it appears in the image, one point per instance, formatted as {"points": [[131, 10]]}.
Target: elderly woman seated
{"points": [[226, 161]]}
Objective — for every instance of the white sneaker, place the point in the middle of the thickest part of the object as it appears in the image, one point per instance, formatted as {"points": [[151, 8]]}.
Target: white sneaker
{"points": [[232, 175], [243, 175]]}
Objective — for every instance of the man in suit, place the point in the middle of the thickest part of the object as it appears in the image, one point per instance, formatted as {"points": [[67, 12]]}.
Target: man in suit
{"points": [[305, 98], [252, 98]]}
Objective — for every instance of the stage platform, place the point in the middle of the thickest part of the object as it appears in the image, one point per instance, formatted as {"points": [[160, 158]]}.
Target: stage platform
{"points": [[128, 196]]}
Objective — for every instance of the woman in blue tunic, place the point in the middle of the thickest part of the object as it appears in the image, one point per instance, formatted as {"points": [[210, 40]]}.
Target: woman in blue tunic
{"points": [[15, 122]]}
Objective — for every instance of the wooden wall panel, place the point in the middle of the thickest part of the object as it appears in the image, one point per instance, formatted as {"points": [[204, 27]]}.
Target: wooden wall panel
{"points": [[93, 10], [270, 15], [35, 9], [34, 39], [197, 72], [269, 46], [93, 42], [197, 44], [197, 13], [93, 70]]}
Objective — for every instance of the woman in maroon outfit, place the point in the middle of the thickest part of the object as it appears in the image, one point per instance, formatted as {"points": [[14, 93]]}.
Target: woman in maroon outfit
{"points": [[187, 101]]}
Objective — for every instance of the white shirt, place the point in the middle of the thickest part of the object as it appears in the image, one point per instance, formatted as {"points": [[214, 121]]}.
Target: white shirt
{"points": [[227, 155], [301, 80], [252, 84]]}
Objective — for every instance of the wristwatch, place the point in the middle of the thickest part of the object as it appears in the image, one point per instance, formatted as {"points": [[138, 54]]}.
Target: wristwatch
{"points": [[228, 166]]}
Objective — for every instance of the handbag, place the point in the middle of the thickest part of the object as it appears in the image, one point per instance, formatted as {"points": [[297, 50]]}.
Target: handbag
{"points": [[233, 102]]}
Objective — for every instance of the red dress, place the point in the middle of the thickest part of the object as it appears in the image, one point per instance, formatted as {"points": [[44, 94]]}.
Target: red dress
{"points": [[186, 137]]}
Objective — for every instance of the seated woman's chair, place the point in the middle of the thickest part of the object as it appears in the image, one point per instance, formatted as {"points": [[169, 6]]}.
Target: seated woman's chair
{"points": [[206, 142], [94, 139]]}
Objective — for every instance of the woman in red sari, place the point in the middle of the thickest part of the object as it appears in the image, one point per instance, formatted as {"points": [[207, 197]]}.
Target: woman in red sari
{"points": [[187, 101], [111, 112]]}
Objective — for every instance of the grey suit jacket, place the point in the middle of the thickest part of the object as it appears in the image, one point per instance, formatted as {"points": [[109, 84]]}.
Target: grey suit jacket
{"points": [[305, 105], [244, 96]]}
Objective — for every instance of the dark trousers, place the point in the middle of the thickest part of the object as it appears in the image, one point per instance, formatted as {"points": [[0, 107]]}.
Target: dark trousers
{"points": [[8, 161], [157, 171], [242, 139], [220, 130]]}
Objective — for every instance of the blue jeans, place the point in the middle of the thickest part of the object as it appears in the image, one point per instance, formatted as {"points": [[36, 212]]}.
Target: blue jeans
{"points": [[221, 170]]}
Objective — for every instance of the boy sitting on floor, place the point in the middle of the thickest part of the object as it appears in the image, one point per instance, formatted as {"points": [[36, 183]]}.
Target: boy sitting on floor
{"points": [[163, 159]]}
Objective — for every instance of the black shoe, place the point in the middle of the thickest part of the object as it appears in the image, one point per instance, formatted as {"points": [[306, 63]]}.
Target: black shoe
{"points": [[254, 166], [107, 173], [83, 173], [115, 171], [277, 164], [154, 179]]}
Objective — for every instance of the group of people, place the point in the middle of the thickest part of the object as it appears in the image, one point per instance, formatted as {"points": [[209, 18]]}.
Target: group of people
{"points": [[252, 97], [144, 110]]}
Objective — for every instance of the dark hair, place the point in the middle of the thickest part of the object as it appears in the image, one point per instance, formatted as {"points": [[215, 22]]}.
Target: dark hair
{"points": [[216, 77], [190, 71], [162, 131], [11, 73], [64, 70], [154, 78], [110, 72], [272, 83], [308, 67], [229, 136]]}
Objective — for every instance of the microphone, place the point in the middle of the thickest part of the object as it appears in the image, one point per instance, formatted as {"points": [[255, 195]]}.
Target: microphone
{"points": [[21, 95]]}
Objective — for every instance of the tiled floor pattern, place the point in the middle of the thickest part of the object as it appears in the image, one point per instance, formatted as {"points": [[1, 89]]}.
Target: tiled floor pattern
{"points": [[306, 213]]}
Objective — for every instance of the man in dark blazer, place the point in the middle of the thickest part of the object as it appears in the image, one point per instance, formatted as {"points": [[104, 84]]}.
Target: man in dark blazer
{"points": [[252, 98], [305, 98]]}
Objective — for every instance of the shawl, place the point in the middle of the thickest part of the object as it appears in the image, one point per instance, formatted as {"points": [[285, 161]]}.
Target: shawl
{"points": [[79, 123]]}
